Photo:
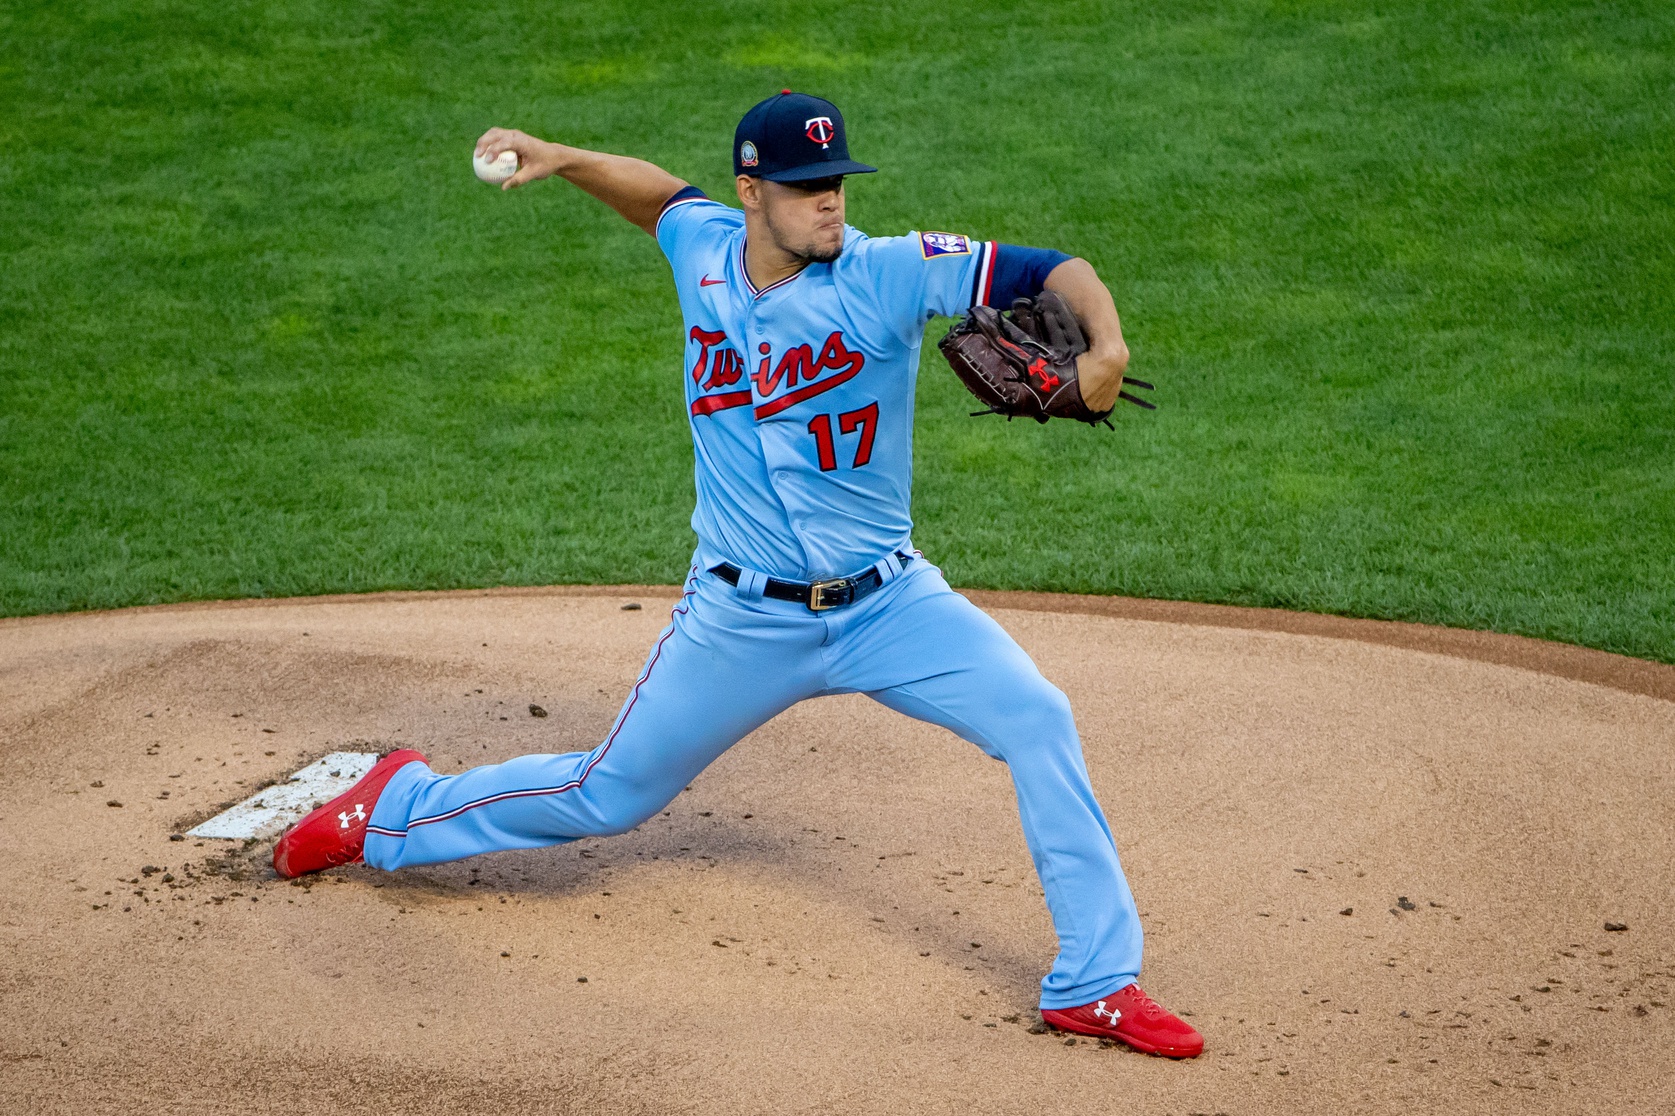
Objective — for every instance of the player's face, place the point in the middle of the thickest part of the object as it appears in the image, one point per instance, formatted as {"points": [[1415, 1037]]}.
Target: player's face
{"points": [[805, 219]]}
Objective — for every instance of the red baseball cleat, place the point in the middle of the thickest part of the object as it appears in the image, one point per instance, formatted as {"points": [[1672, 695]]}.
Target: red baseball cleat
{"points": [[1130, 1016], [336, 832]]}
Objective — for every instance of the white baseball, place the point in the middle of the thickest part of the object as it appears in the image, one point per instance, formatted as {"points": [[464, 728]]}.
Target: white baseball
{"points": [[497, 170]]}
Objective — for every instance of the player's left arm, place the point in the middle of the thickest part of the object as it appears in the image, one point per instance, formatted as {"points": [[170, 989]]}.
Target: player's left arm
{"points": [[929, 273], [1100, 369]]}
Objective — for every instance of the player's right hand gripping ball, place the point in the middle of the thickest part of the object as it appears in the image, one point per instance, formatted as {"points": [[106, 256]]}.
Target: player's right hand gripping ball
{"points": [[1024, 364], [496, 170]]}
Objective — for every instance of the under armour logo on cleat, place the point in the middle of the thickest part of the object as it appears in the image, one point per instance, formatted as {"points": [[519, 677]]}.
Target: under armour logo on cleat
{"points": [[1114, 1013], [360, 815]]}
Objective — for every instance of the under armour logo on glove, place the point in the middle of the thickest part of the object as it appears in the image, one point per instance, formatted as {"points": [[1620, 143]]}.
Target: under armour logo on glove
{"points": [[360, 815], [1044, 378], [1114, 1014]]}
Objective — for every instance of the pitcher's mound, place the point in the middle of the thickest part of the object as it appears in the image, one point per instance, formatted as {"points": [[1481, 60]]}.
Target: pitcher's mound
{"points": [[1376, 878]]}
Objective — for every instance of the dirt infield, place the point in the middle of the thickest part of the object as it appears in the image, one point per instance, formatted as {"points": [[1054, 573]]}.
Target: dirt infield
{"points": [[1376, 863]]}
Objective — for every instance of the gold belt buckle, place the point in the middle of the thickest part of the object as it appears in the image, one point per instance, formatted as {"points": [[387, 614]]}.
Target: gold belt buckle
{"points": [[815, 588]]}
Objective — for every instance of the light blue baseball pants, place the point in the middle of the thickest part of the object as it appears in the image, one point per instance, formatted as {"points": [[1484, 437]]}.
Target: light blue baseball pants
{"points": [[726, 664]]}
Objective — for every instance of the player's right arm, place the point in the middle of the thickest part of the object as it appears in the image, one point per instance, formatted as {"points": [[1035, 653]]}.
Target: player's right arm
{"points": [[633, 187]]}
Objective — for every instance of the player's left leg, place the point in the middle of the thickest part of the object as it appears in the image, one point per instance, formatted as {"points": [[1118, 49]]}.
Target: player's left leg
{"points": [[930, 653], [722, 667]]}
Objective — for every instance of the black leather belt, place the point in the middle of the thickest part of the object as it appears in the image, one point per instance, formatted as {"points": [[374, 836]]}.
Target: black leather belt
{"points": [[817, 595]]}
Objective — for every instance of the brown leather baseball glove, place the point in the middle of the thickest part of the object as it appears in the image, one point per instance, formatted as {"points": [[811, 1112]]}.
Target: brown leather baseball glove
{"points": [[1024, 364]]}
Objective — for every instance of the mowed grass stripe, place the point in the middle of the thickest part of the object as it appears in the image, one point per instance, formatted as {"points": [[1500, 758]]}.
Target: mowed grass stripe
{"points": [[1401, 274]]}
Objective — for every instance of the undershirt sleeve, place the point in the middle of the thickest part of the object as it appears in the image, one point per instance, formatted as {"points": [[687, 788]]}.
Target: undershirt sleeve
{"points": [[1020, 273], [682, 194]]}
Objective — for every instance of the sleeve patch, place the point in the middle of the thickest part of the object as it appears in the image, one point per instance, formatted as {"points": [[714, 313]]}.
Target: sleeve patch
{"points": [[933, 244]]}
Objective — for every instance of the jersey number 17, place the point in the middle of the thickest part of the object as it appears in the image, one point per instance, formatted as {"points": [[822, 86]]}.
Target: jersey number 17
{"points": [[863, 419]]}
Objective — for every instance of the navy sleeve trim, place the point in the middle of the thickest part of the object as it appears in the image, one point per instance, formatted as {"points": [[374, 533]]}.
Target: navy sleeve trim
{"points": [[685, 193], [682, 196], [1016, 273]]}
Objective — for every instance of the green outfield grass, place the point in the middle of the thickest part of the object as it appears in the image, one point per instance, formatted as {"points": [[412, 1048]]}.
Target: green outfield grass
{"points": [[1403, 274]]}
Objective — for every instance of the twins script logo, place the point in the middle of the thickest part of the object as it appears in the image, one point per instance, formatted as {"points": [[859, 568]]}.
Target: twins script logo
{"points": [[346, 817], [819, 129], [716, 367], [724, 365], [721, 366], [836, 364]]}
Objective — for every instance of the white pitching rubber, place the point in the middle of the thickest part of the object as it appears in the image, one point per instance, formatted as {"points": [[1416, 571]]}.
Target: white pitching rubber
{"points": [[268, 812]]}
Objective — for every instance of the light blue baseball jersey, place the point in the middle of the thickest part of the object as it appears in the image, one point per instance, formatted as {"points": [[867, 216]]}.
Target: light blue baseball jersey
{"points": [[800, 395]]}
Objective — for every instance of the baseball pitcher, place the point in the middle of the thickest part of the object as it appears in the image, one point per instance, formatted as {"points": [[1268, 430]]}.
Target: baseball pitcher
{"points": [[802, 338]]}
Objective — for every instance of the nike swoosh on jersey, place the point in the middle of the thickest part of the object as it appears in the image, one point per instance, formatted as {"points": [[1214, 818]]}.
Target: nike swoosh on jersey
{"points": [[706, 281]]}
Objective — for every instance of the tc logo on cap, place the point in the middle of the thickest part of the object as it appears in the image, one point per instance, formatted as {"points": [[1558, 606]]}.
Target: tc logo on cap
{"points": [[793, 137]]}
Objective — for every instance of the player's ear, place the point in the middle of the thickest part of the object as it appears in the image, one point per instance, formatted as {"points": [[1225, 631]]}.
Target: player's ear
{"points": [[750, 191]]}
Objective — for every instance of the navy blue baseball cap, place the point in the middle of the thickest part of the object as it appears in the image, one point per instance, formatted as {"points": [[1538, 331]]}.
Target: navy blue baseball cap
{"points": [[793, 137]]}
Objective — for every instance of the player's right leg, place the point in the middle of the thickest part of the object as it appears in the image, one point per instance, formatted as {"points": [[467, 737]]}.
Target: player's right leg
{"points": [[719, 670]]}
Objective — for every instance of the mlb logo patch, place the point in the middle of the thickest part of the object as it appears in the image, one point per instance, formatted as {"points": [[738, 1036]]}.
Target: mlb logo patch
{"points": [[943, 244]]}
